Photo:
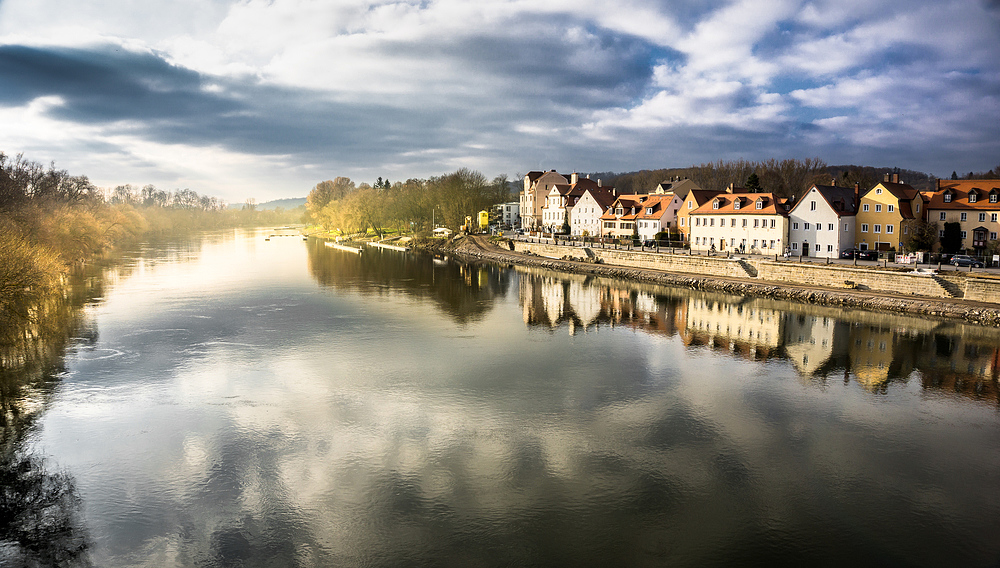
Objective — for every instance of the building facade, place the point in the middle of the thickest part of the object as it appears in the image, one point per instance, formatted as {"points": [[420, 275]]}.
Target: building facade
{"points": [[822, 222], [883, 211], [974, 205], [740, 222]]}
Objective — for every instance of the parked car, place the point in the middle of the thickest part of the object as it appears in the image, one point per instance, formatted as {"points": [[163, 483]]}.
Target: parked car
{"points": [[860, 254], [965, 260]]}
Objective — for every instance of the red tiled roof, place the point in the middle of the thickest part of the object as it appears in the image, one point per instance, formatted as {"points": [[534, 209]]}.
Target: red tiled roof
{"points": [[748, 205]]}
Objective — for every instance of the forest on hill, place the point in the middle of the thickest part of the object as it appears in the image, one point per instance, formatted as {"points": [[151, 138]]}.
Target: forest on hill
{"points": [[785, 178]]}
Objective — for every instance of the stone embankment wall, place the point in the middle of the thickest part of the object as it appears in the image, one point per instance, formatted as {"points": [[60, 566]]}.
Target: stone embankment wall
{"points": [[832, 276], [983, 290], [802, 274]]}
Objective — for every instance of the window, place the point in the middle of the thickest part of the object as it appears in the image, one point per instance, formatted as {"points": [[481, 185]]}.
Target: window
{"points": [[993, 197], [964, 217], [732, 222], [964, 234], [772, 223], [744, 222], [818, 248], [682, 221], [711, 222], [972, 197], [795, 226], [649, 211], [877, 229], [993, 236], [690, 204], [888, 229], [941, 234], [755, 243], [947, 197], [812, 205], [756, 223], [993, 217], [805, 226], [732, 242], [795, 246], [864, 227], [618, 211], [736, 204], [760, 204], [918, 208], [845, 228], [878, 208], [715, 204], [772, 242], [942, 216], [829, 248], [864, 207], [878, 191]]}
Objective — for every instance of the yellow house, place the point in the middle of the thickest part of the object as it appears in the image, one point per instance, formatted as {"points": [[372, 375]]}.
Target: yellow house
{"points": [[883, 209], [694, 199]]}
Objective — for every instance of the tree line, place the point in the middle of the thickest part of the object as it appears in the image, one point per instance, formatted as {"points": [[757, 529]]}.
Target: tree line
{"points": [[414, 204], [51, 220]]}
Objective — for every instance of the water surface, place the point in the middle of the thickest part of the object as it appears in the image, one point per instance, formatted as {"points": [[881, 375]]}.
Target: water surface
{"points": [[233, 401]]}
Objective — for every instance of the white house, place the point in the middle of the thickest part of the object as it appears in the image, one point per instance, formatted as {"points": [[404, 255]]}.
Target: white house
{"points": [[741, 222], [510, 213], [536, 188], [585, 219], [822, 222], [658, 212]]}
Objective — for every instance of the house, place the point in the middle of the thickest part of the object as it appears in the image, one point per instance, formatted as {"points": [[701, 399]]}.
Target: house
{"points": [[694, 199], [532, 198], [822, 222], [509, 214], [974, 205], [677, 186], [657, 213], [585, 219], [883, 211], [562, 198], [740, 222], [619, 219]]}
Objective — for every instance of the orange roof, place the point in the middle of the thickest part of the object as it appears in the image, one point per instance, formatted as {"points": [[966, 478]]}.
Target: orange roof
{"points": [[959, 191], [771, 205]]}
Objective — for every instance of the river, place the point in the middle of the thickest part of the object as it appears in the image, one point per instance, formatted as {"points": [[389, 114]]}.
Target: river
{"points": [[236, 401]]}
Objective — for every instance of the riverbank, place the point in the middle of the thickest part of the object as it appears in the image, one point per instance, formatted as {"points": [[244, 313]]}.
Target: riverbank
{"points": [[982, 313]]}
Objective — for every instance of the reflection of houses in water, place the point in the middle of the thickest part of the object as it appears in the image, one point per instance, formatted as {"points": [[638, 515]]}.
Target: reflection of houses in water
{"points": [[815, 344], [584, 302], [748, 328], [879, 354], [967, 365]]}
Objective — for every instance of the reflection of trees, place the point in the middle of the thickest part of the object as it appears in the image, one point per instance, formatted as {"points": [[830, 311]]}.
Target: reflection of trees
{"points": [[464, 291]]}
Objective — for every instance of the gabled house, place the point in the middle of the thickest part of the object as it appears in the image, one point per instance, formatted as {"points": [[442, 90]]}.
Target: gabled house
{"points": [[741, 222], [974, 204], [657, 213], [882, 212], [562, 198], [822, 222], [585, 219], [536, 188], [619, 219]]}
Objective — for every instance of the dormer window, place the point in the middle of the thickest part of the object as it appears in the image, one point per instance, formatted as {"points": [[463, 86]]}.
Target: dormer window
{"points": [[993, 196], [760, 204], [947, 197], [649, 211], [618, 211], [736, 204], [715, 204], [973, 196]]}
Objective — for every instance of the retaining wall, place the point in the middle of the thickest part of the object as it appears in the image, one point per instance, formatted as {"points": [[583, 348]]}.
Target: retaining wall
{"points": [[833, 276], [711, 266], [983, 290]]}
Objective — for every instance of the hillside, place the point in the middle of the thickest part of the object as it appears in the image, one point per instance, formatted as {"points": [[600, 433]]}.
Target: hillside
{"points": [[288, 203]]}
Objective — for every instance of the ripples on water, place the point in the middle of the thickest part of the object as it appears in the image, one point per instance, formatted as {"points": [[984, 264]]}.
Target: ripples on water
{"points": [[247, 403]]}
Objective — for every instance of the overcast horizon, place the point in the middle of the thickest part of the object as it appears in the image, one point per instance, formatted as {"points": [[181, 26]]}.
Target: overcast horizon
{"points": [[263, 99]]}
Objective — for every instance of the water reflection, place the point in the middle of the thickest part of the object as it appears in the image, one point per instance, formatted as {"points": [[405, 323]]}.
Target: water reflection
{"points": [[871, 349], [280, 404], [464, 291]]}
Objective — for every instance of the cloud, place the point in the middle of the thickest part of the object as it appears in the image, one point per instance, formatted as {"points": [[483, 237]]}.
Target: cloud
{"points": [[404, 89]]}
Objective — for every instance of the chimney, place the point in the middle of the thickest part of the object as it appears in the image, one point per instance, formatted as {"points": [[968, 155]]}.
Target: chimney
{"points": [[895, 178], [598, 182], [588, 176], [886, 179], [857, 195], [833, 182], [574, 178], [730, 188]]}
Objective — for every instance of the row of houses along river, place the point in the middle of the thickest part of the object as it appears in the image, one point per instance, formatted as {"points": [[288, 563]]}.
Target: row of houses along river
{"points": [[234, 401]]}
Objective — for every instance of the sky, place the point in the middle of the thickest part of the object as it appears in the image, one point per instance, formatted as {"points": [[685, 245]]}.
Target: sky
{"points": [[265, 98]]}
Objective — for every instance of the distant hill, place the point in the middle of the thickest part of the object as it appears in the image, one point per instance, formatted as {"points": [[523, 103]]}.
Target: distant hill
{"points": [[289, 203]]}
